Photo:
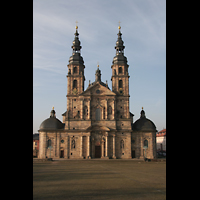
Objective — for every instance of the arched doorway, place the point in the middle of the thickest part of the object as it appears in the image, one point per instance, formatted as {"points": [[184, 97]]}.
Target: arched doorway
{"points": [[61, 153], [99, 141]]}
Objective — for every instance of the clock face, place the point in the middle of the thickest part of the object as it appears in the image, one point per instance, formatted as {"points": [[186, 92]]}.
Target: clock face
{"points": [[75, 91], [120, 91], [62, 141]]}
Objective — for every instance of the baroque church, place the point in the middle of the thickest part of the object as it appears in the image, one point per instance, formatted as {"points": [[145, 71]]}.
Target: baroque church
{"points": [[97, 122]]}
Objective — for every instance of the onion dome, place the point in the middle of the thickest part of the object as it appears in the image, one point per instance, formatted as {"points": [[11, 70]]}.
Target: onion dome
{"points": [[143, 124], [76, 57], [119, 58], [52, 123]]}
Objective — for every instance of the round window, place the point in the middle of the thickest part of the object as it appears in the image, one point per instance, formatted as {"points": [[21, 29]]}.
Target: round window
{"points": [[62, 141], [97, 91]]}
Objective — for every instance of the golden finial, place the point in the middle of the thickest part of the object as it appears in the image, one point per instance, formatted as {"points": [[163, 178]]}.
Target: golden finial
{"points": [[119, 27], [142, 108], [98, 64], [76, 24], [53, 108]]}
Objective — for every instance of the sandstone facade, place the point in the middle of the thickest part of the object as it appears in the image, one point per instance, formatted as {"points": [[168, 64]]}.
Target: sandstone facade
{"points": [[97, 122]]}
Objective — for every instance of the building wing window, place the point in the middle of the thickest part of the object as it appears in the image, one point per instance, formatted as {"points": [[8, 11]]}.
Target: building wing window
{"points": [[120, 84], [73, 144], [146, 143], [120, 70], [122, 144], [48, 143], [74, 84], [75, 70]]}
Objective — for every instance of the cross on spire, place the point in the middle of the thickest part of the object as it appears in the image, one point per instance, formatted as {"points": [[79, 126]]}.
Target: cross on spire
{"points": [[119, 27], [76, 24]]}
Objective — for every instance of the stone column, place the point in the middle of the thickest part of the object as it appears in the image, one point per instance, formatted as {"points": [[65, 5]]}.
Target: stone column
{"points": [[45, 145], [66, 148], [114, 105], [102, 148], [88, 147], [127, 111], [81, 112], [106, 147], [70, 143], [42, 145], [58, 145], [54, 146], [106, 109], [89, 108], [93, 147], [81, 146], [101, 114], [141, 148], [113, 156]]}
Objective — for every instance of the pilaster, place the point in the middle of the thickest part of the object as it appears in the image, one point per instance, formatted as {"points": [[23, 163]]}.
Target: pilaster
{"points": [[113, 156], [88, 147], [81, 146]]}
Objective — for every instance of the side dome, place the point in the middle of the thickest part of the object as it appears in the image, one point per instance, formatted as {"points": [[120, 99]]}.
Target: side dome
{"points": [[52, 123], [143, 124]]}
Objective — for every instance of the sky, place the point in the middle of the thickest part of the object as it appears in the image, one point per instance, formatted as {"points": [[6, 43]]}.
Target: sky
{"points": [[143, 27]]}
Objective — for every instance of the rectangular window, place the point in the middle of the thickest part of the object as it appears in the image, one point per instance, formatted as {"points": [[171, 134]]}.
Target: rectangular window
{"points": [[98, 114]]}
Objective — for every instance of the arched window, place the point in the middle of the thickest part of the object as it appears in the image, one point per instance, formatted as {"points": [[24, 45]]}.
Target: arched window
{"points": [[122, 144], [146, 143], [98, 114], [120, 70], [120, 83], [73, 144], [85, 112], [48, 143], [74, 84], [75, 70]]}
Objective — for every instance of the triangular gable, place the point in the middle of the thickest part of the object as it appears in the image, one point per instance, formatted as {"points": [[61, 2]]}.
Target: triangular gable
{"points": [[97, 86]]}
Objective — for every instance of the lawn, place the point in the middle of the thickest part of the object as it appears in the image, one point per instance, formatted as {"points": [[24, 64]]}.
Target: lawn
{"points": [[99, 179]]}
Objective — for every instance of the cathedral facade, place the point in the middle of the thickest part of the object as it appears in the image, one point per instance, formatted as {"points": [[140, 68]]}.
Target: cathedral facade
{"points": [[97, 122]]}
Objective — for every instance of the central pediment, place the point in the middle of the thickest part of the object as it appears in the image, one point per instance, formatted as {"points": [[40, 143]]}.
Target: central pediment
{"points": [[98, 88]]}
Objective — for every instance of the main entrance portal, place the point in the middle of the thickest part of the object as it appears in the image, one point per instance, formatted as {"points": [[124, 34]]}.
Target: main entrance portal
{"points": [[97, 151]]}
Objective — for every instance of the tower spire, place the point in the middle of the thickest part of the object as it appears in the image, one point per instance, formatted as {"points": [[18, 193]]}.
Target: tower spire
{"points": [[75, 77], [119, 49], [76, 49]]}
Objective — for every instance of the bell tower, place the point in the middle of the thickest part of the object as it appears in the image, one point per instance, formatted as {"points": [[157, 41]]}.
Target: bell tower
{"points": [[75, 76], [120, 81], [120, 75]]}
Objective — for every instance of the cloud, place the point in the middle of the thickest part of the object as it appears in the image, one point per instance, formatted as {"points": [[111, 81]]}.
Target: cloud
{"points": [[143, 25]]}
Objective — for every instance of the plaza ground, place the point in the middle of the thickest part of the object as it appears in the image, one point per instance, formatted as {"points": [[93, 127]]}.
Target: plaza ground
{"points": [[99, 179]]}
